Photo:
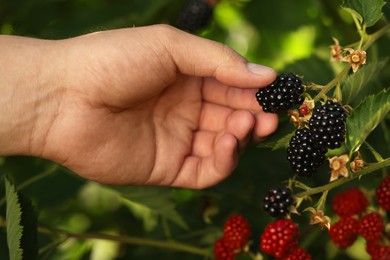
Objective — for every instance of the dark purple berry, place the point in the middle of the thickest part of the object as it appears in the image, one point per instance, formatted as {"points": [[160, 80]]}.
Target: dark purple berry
{"points": [[304, 154], [195, 15], [282, 94], [278, 201], [327, 124]]}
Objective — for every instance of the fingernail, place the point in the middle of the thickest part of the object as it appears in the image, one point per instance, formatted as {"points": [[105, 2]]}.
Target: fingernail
{"points": [[259, 69]]}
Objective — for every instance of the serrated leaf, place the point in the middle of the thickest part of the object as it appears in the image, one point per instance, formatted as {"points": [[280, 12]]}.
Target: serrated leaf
{"points": [[366, 117], [13, 218], [356, 82], [157, 199], [283, 142], [368, 12], [21, 224]]}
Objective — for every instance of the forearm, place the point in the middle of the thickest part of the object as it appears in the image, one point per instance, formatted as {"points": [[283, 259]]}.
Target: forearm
{"points": [[28, 98]]}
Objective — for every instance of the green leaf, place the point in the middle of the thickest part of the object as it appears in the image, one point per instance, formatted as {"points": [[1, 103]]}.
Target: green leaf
{"points": [[21, 225], [368, 12], [356, 82], [283, 142], [13, 218], [156, 199], [366, 117]]}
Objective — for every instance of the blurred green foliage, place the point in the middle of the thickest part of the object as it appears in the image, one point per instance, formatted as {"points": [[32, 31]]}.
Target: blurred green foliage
{"points": [[291, 36]]}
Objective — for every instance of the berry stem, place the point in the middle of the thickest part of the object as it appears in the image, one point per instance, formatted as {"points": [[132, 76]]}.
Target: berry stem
{"points": [[371, 168], [371, 38], [332, 83], [173, 245], [134, 240], [376, 155], [365, 42], [322, 200]]}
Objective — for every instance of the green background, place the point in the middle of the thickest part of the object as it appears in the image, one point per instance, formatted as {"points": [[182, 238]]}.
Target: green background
{"points": [[291, 36]]}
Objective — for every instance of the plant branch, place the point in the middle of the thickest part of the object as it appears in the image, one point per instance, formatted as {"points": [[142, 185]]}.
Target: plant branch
{"points": [[332, 83], [371, 38], [373, 167], [172, 245]]}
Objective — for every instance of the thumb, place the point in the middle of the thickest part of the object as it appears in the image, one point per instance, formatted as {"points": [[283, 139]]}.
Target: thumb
{"points": [[197, 56]]}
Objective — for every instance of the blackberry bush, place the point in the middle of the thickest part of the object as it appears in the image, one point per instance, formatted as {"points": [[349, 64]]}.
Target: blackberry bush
{"points": [[278, 201], [282, 94], [304, 154], [327, 124]]}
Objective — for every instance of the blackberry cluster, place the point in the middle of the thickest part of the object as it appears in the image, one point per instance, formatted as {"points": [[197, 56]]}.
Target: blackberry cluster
{"points": [[282, 94], [327, 124], [304, 154], [195, 15], [278, 201]]}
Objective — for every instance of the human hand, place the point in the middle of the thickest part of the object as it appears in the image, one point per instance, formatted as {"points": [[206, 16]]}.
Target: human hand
{"points": [[148, 106]]}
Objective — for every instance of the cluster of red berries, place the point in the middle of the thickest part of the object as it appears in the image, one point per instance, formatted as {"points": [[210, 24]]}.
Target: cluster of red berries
{"points": [[236, 235], [351, 207], [280, 239]]}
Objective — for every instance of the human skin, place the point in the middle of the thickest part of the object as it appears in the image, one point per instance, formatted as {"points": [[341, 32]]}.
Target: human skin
{"points": [[139, 106]]}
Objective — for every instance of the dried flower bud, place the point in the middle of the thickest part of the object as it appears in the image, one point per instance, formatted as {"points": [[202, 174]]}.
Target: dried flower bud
{"points": [[338, 165], [357, 164], [318, 217], [355, 58], [336, 50]]}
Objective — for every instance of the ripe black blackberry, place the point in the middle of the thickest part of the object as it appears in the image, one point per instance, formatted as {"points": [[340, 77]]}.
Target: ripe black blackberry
{"points": [[278, 201], [195, 15], [282, 94], [327, 124], [304, 154]]}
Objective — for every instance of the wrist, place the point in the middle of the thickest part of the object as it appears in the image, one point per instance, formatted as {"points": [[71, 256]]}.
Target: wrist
{"points": [[28, 98]]}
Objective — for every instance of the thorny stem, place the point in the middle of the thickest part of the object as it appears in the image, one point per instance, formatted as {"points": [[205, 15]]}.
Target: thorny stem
{"points": [[336, 183], [332, 83], [369, 40], [322, 200]]}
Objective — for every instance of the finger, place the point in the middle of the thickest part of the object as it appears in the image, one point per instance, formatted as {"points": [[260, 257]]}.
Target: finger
{"points": [[199, 173], [215, 92], [265, 125], [214, 117], [240, 124], [197, 56], [203, 143]]}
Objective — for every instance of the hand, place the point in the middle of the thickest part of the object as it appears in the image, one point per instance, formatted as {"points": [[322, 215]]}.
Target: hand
{"points": [[147, 106]]}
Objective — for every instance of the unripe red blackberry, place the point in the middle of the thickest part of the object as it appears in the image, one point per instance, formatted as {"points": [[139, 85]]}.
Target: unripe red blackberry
{"points": [[350, 202], [298, 254], [236, 232], [383, 194], [344, 232], [282, 94], [371, 226], [304, 154], [221, 252], [280, 238], [195, 15], [377, 250], [328, 124], [278, 201]]}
